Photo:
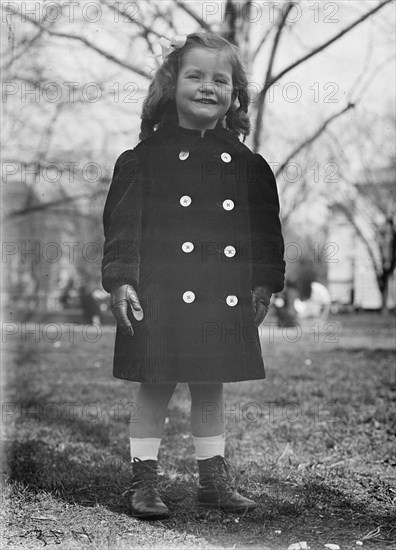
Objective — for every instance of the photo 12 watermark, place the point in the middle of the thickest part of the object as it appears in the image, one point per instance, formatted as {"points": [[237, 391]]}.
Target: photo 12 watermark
{"points": [[27, 251], [318, 332], [252, 412], [72, 11], [71, 92], [269, 12]]}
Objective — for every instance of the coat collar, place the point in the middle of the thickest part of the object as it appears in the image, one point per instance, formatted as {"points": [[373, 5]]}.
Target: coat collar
{"points": [[187, 137], [174, 125]]}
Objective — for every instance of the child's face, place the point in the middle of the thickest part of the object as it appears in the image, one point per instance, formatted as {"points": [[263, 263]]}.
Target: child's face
{"points": [[203, 91]]}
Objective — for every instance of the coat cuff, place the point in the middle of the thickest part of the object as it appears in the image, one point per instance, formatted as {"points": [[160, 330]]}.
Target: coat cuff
{"points": [[119, 273], [273, 279]]}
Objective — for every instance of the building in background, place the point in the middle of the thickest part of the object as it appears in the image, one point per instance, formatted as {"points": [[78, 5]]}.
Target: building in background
{"points": [[362, 230]]}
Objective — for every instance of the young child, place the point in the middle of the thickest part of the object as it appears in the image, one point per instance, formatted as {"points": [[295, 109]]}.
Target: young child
{"points": [[193, 251]]}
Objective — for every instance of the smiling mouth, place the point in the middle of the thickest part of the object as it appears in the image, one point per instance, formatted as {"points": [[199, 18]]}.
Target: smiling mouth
{"points": [[206, 101]]}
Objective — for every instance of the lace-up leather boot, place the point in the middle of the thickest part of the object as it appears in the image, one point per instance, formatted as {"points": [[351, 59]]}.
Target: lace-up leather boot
{"points": [[143, 498], [215, 489]]}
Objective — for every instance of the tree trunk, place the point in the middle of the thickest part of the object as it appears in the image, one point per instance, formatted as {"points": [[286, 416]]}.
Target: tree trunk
{"points": [[383, 283]]}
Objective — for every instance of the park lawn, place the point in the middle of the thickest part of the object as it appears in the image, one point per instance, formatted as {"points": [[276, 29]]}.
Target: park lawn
{"points": [[313, 444]]}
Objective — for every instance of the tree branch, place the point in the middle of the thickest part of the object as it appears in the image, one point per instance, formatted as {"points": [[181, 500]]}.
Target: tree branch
{"points": [[88, 44], [313, 136], [51, 204], [24, 46], [348, 214], [311, 139], [140, 24], [268, 77], [196, 17], [328, 42], [263, 39], [298, 199]]}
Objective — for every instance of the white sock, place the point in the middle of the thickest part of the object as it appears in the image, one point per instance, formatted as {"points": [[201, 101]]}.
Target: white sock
{"points": [[145, 448], [208, 447]]}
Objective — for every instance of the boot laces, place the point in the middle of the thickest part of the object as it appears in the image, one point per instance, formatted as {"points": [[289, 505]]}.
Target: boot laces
{"points": [[145, 478], [221, 469]]}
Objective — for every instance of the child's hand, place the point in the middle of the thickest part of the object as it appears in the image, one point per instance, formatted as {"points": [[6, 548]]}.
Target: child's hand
{"points": [[261, 298], [120, 298]]}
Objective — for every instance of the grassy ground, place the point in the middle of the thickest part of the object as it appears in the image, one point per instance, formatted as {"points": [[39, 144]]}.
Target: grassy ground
{"points": [[312, 445]]}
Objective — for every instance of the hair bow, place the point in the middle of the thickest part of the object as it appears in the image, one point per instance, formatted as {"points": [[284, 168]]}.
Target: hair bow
{"points": [[168, 46]]}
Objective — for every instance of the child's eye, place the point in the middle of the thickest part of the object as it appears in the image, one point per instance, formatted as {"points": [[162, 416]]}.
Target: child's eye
{"points": [[194, 76]]}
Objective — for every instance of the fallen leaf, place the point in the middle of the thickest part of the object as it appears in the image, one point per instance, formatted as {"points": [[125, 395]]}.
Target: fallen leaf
{"points": [[298, 546]]}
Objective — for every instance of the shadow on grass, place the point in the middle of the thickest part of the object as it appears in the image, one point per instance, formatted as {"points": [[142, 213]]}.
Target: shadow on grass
{"points": [[38, 466], [79, 461]]}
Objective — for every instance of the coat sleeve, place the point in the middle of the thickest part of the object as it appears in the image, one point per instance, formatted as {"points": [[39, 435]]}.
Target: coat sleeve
{"points": [[267, 242], [122, 224]]}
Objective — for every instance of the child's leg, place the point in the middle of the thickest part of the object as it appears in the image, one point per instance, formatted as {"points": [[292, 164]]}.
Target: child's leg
{"points": [[208, 429], [151, 404], [206, 409], [146, 428], [207, 419]]}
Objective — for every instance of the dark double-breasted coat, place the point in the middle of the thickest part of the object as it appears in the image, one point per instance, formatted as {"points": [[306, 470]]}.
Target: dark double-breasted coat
{"points": [[193, 224]]}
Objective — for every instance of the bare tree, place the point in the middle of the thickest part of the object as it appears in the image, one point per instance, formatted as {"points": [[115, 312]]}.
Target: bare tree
{"points": [[236, 26], [30, 48], [367, 199]]}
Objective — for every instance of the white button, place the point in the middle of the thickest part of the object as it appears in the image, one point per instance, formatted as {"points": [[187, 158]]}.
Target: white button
{"points": [[229, 251], [231, 300], [183, 155], [225, 157], [228, 204], [187, 247], [185, 200], [189, 297]]}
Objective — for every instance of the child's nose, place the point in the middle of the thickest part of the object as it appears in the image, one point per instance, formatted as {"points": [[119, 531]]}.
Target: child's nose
{"points": [[207, 86]]}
